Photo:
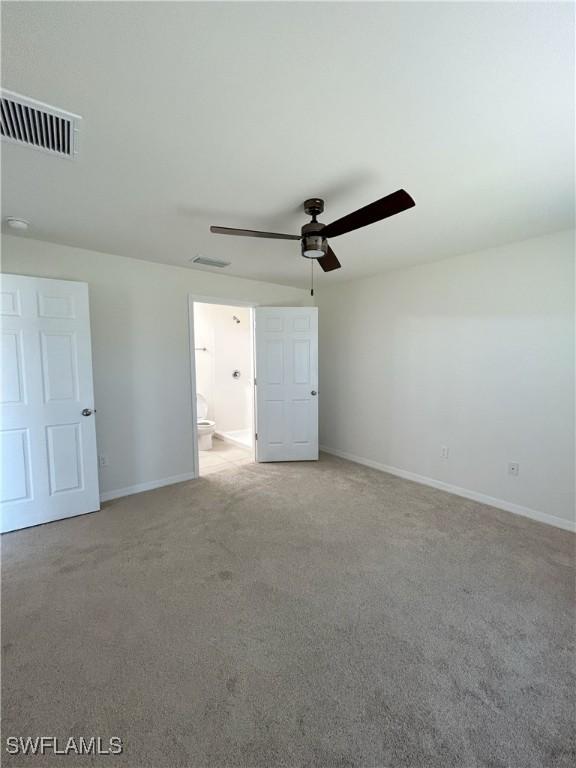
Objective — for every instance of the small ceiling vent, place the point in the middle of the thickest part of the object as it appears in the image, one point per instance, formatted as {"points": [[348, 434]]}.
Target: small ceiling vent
{"points": [[34, 124], [205, 262]]}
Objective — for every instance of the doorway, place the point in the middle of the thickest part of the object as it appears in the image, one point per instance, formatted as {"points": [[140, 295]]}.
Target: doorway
{"points": [[222, 343], [278, 403]]}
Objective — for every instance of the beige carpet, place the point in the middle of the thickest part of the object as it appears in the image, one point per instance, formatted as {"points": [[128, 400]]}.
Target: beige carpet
{"points": [[293, 615]]}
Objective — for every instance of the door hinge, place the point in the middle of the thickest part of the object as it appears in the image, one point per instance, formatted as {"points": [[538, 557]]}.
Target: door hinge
{"points": [[255, 382], [256, 436]]}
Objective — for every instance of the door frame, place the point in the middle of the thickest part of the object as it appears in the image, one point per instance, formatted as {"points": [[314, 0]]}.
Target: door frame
{"points": [[200, 299]]}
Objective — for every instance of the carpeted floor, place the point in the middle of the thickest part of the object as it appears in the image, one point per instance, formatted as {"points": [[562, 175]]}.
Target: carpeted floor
{"points": [[293, 615]]}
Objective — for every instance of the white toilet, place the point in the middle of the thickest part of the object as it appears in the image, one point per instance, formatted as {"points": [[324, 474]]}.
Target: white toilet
{"points": [[205, 426]]}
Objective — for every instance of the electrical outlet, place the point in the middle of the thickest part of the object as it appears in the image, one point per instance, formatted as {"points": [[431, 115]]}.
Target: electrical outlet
{"points": [[444, 452], [103, 460], [513, 468]]}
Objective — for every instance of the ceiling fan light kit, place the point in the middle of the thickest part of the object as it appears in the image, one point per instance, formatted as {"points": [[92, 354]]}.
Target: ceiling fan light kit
{"points": [[314, 235], [314, 244]]}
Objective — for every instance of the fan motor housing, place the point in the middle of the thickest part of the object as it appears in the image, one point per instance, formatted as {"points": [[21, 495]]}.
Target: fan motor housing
{"points": [[314, 246]]}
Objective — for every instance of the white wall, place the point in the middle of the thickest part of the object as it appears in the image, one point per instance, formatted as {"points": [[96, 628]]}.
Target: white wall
{"points": [[228, 348], [141, 356], [475, 353]]}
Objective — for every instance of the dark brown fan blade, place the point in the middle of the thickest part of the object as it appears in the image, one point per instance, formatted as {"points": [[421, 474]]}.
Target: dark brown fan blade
{"points": [[388, 206], [252, 233], [329, 262]]}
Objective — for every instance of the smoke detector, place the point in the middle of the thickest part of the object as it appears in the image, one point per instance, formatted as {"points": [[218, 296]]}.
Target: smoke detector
{"points": [[20, 225], [38, 125]]}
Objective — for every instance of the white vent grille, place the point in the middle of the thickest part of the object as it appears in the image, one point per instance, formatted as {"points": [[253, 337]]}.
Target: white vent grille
{"points": [[206, 262], [29, 122]]}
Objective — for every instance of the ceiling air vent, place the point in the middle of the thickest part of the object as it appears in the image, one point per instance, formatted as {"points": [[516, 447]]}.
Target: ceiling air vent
{"points": [[29, 122], [205, 262]]}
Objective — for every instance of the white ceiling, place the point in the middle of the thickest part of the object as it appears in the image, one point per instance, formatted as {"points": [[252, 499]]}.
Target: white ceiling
{"points": [[234, 113]]}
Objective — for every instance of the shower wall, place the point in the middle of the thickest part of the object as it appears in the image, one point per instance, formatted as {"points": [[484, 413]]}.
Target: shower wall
{"points": [[228, 349]]}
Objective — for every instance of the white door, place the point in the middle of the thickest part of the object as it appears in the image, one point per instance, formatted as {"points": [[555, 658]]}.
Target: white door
{"points": [[286, 383], [48, 445]]}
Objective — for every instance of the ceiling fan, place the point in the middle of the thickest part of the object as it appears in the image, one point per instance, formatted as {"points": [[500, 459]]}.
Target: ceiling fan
{"points": [[314, 235]]}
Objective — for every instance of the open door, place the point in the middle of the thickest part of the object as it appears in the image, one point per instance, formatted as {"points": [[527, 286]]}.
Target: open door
{"points": [[286, 358], [48, 434]]}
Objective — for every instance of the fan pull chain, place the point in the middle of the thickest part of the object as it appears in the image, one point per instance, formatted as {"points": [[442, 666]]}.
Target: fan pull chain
{"points": [[312, 277]]}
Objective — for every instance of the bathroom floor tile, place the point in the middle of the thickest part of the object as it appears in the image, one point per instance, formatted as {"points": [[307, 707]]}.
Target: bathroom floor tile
{"points": [[223, 456], [242, 461], [237, 454], [209, 459], [224, 467]]}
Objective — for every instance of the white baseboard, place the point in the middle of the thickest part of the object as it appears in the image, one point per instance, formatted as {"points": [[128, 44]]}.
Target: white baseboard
{"points": [[231, 440], [141, 487], [507, 506]]}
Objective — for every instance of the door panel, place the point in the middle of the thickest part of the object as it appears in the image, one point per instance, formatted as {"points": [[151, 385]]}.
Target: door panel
{"points": [[10, 304], [300, 423], [275, 421], [301, 352], [286, 383], [59, 367], [56, 306], [15, 447], [49, 459], [274, 362], [12, 380], [64, 457]]}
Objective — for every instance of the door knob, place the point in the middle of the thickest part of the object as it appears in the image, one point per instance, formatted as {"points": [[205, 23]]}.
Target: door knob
{"points": [[87, 412], [313, 392]]}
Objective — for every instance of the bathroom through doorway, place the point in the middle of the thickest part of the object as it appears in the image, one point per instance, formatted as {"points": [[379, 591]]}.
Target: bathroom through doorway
{"points": [[223, 367]]}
